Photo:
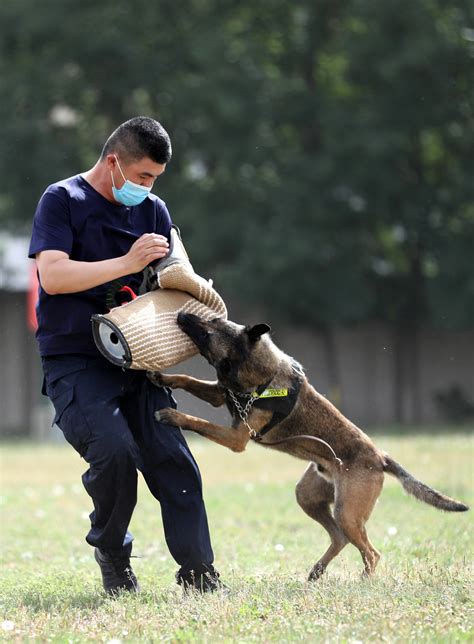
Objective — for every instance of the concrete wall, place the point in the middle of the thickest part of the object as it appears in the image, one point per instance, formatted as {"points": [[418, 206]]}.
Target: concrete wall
{"points": [[381, 380], [20, 372], [371, 372]]}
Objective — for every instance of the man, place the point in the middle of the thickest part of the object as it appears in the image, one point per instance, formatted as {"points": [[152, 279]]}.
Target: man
{"points": [[89, 231]]}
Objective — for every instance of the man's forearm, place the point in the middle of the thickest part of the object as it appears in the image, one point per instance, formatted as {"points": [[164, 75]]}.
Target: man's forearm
{"points": [[59, 274], [70, 276]]}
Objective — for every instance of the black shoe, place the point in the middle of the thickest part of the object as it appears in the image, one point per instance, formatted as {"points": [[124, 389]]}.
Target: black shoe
{"points": [[117, 574], [206, 581]]}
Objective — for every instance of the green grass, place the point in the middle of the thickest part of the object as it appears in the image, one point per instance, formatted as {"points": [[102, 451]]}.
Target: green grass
{"points": [[264, 547]]}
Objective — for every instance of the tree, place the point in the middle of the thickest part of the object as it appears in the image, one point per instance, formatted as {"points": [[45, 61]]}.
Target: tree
{"points": [[322, 157]]}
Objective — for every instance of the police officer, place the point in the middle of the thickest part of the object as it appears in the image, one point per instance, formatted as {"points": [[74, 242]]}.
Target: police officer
{"points": [[88, 231]]}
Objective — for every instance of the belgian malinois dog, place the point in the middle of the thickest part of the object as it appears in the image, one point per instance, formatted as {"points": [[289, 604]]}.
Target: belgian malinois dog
{"points": [[271, 402]]}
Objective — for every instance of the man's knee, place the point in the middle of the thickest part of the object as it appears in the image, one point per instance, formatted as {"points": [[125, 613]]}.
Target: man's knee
{"points": [[112, 451]]}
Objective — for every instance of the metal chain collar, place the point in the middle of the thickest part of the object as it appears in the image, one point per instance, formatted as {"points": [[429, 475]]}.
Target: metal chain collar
{"points": [[244, 411]]}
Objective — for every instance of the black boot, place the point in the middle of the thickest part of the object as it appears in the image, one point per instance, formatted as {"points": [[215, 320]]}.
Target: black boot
{"points": [[117, 574], [206, 581]]}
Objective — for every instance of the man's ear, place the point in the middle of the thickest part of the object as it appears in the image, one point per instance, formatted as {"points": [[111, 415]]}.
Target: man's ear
{"points": [[256, 331]]}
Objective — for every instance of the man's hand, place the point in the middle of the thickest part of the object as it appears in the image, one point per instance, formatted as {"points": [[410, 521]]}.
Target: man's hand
{"points": [[148, 248], [59, 274]]}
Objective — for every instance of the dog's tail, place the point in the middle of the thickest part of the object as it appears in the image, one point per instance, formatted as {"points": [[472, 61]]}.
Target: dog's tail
{"points": [[421, 491]]}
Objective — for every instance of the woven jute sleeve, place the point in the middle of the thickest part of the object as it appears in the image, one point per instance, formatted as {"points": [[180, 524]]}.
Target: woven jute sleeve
{"points": [[148, 324]]}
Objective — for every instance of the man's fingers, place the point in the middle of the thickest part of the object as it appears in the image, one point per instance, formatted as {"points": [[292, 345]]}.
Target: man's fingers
{"points": [[154, 237], [155, 242], [155, 254], [156, 248], [148, 249]]}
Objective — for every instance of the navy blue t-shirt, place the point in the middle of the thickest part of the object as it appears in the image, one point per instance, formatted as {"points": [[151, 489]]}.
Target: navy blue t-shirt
{"points": [[74, 218]]}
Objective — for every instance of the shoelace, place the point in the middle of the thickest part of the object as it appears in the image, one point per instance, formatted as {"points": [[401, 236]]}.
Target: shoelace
{"points": [[122, 564]]}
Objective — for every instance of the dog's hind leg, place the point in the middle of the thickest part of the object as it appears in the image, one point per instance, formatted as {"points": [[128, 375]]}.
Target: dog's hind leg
{"points": [[314, 495], [355, 499]]}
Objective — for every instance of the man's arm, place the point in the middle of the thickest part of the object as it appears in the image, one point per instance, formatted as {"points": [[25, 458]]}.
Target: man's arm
{"points": [[59, 274]]}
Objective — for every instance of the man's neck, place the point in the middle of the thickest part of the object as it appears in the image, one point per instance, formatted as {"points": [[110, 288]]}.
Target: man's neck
{"points": [[99, 178]]}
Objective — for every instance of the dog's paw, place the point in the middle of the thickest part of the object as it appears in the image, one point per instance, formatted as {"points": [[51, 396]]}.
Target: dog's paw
{"points": [[156, 377], [161, 379], [168, 416], [316, 572]]}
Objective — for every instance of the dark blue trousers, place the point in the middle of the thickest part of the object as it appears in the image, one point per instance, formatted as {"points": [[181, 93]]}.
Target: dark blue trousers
{"points": [[107, 415]]}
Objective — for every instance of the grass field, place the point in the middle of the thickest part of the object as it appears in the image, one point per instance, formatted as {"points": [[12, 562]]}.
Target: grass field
{"points": [[264, 547]]}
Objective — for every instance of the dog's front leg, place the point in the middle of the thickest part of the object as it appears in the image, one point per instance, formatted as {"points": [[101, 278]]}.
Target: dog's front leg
{"points": [[206, 390], [235, 438]]}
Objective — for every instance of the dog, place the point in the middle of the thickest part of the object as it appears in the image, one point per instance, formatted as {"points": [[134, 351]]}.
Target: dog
{"points": [[271, 402]]}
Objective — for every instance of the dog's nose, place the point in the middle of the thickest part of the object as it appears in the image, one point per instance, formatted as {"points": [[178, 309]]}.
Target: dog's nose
{"points": [[185, 319], [181, 318], [188, 318]]}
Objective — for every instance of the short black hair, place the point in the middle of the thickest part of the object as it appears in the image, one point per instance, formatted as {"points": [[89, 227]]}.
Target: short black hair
{"points": [[139, 137]]}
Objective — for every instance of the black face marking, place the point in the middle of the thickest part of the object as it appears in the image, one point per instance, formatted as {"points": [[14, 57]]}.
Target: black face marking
{"points": [[229, 362], [224, 366], [227, 347]]}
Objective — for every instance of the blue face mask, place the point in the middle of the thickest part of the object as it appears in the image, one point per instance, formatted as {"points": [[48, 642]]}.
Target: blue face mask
{"points": [[130, 194]]}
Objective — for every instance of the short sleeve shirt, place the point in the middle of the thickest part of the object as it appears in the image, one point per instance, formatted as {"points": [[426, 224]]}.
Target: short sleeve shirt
{"points": [[74, 218]]}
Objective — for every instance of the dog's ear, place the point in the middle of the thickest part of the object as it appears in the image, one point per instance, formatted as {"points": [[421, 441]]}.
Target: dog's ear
{"points": [[256, 331]]}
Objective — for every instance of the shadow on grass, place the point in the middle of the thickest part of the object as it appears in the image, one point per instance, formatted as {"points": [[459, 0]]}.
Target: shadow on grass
{"points": [[86, 599]]}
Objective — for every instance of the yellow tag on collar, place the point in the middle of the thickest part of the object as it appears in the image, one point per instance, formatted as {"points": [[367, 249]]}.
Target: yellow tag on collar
{"points": [[272, 393]]}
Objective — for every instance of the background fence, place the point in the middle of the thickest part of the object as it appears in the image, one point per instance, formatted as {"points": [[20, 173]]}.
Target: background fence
{"points": [[359, 368]]}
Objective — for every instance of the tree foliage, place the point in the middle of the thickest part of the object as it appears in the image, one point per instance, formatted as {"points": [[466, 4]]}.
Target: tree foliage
{"points": [[323, 152]]}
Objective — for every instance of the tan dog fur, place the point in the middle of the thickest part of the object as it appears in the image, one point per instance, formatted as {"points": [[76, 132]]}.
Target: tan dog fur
{"points": [[339, 496]]}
